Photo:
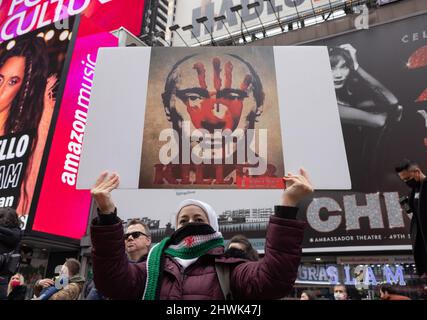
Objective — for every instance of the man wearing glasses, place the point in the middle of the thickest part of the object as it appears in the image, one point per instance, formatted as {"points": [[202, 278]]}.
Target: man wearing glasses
{"points": [[137, 240], [137, 243], [410, 173]]}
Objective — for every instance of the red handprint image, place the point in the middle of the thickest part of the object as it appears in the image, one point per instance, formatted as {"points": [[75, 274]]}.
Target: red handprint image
{"points": [[215, 129], [220, 108], [213, 93]]}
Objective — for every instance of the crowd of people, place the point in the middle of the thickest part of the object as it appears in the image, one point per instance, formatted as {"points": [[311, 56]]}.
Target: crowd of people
{"points": [[194, 262], [343, 292], [76, 288]]}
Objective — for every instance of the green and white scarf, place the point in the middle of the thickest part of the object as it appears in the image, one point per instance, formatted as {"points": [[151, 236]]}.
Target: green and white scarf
{"points": [[189, 242]]}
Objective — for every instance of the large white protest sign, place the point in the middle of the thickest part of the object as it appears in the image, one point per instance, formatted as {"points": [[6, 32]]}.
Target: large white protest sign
{"points": [[213, 118]]}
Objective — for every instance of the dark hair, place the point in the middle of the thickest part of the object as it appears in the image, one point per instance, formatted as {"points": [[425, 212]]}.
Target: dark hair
{"points": [[310, 294], [27, 107], [335, 53], [388, 288], [251, 253], [137, 221], [73, 266], [346, 288], [9, 218], [405, 164]]}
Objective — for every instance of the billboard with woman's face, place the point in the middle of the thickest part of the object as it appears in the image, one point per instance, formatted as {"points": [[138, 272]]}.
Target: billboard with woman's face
{"points": [[380, 84], [31, 67], [46, 200]]}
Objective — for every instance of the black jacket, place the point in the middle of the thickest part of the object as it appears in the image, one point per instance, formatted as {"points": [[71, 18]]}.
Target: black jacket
{"points": [[419, 219], [17, 293], [9, 239]]}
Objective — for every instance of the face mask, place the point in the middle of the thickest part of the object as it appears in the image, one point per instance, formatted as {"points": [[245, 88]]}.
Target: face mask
{"points": [[190, 229], [15, 283], [413, 184], [339, 296]]}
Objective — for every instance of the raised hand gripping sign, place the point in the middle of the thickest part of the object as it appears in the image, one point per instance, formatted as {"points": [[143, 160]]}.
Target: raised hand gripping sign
{"points": [[213, 118]]}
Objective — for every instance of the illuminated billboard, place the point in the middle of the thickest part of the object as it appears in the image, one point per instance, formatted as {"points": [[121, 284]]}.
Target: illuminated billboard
{"points": [[56, 207], [267, 13]]}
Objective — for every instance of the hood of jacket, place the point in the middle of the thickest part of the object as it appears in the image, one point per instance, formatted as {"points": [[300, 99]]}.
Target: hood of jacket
{"points": [[77, 279]]}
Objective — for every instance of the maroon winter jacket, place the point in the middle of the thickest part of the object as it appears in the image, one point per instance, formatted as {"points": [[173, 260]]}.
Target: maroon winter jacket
{"points": [[270, 278]]}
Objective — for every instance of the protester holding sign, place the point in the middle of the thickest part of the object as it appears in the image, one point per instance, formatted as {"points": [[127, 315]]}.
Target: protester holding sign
{"points": [[190, 263]]}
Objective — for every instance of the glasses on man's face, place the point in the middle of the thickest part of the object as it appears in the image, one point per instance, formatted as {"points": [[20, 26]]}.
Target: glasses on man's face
{"points": [[135, 235]]}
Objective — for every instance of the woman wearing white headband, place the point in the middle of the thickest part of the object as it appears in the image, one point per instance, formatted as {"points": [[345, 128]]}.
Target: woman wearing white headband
{"points": [[190, 264]]}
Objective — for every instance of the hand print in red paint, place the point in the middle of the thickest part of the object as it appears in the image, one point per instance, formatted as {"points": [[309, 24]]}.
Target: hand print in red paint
{"points": [[220, 108]]}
